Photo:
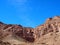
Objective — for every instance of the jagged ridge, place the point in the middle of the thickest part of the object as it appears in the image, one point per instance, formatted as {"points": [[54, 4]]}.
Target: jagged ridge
{"points": [[52, 25]]}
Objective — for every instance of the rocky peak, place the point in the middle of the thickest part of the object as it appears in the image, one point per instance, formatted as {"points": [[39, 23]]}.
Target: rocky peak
{"points": [[28, 33], [48, 20], [1, 23], [56, 17], [51, 25]]}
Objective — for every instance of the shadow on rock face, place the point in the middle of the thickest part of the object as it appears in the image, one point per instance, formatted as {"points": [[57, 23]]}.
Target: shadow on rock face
{"points": [[30, 39]]}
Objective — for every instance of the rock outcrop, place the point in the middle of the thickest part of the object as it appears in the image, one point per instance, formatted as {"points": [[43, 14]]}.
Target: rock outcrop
{"points": [[26, 33], [51, 26]]}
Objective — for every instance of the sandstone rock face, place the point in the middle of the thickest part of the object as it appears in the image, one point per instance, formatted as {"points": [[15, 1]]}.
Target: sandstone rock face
{"points": [[26, 33], [51, 25], [46, 30], [4, 43]]}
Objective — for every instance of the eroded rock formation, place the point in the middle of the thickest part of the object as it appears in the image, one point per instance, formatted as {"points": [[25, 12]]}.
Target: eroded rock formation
{"points": [[51, 25], [28, 33]]}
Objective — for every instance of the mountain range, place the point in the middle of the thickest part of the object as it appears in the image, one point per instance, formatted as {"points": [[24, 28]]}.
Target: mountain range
{"points": [[44, 34]]}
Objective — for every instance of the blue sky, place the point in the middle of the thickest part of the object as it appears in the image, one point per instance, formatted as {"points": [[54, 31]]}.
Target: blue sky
{"points": [[29, 13]]}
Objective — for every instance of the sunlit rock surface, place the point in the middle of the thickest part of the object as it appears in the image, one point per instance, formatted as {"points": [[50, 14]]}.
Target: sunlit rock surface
{"points": [[44, 34]]}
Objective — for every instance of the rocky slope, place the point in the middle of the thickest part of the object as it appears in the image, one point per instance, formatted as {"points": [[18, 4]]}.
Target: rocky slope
{"points": [[51, 25], [45, 34]]}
